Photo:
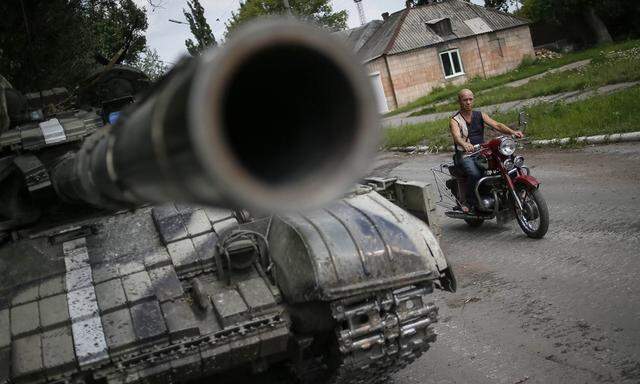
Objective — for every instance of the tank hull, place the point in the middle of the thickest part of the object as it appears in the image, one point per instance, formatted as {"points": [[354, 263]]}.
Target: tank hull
{"points": [[149, 296]]}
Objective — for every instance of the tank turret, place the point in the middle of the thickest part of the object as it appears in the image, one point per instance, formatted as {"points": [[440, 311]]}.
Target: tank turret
{"points": [[280, 117]]}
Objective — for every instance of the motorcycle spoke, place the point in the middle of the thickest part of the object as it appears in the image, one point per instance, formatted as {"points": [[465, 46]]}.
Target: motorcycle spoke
{"points": [[528, 203]]}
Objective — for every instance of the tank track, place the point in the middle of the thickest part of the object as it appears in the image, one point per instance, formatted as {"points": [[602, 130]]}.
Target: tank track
{"points": [[376, 336], [193, 357]]}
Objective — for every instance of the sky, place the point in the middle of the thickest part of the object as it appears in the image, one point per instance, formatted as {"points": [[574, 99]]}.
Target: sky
{"points": [[168, 38]]}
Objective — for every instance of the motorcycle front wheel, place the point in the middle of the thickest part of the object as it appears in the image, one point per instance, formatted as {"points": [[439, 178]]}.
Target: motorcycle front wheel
{"points": [[533, 219]]}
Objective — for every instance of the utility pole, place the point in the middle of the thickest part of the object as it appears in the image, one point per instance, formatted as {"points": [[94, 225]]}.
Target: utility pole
{"points": [[363, 19]]}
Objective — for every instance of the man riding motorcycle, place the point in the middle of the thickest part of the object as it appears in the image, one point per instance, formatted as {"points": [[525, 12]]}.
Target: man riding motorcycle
{"points": [[467, 129]]}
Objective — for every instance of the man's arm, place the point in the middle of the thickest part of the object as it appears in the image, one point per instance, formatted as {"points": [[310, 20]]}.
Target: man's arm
{"points": [[500, 127], [457, 138]]}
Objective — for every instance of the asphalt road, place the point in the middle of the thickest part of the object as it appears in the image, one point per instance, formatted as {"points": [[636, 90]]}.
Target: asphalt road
{"points": [[564, 309]]}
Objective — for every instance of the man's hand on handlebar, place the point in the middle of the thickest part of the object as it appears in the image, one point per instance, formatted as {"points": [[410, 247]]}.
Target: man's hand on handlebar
{"points": [[468, 147], [518, 134]]}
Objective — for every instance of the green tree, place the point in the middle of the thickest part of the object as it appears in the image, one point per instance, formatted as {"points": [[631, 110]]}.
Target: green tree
{"points": [[150, 63], [316, 11], [501, 5], [117, 24], [560, 11], [199, 28], [44, 44]]}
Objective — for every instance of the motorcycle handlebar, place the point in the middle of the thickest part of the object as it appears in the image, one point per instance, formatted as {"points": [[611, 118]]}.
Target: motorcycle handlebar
{"points": [[477, 148]]}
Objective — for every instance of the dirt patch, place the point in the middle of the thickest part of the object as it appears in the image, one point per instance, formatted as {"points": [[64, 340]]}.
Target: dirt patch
{"points": [[459, 302], [385, 165], [631, 371], [475, 281], [476, 275]]}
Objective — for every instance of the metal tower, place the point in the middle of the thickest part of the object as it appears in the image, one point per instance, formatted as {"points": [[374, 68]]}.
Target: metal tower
{"points": [[363, 19]]}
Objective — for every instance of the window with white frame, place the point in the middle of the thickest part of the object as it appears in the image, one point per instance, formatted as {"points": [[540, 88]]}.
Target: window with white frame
{"points": [[451, 63]]}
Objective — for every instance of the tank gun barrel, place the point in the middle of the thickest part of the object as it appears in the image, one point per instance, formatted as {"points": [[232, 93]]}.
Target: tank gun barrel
{"points": [[279, 117]]}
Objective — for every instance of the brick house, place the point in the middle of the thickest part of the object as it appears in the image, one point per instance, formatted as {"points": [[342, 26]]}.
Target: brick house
{"points": [[445, 42]]}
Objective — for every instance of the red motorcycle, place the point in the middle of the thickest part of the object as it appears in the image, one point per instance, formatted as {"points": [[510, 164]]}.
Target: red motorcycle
{"points": [[505, 191]]}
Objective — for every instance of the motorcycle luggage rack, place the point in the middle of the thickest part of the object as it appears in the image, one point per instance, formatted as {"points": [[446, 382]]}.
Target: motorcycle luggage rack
{"points": [[446, 199]]}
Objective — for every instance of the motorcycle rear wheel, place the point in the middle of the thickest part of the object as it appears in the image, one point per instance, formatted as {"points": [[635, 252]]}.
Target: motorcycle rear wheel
{"points": [[534, 199]]}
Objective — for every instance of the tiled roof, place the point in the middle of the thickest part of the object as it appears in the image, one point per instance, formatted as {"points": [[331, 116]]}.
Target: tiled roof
{"points": [[407, 29], [372, 39], [357, 37]]}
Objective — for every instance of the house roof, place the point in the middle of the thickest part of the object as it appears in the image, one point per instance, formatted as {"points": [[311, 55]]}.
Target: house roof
{"points": [[407, 29], [357, 37]]}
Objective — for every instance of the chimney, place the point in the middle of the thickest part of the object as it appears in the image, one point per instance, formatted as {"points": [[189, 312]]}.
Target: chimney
{"points": [[385, 16], [408, 3]]}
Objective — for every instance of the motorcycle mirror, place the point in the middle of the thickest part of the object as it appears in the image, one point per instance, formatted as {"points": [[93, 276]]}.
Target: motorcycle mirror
{"points": [[522, 121]]}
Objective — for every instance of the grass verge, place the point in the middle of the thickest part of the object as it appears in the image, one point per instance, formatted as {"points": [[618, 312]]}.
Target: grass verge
{"points": [[602, 71], [526, 69], [614, 113]]}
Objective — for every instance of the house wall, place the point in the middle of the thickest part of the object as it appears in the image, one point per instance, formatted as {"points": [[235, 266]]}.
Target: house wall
{"points": [[379, 65], [416, 73], [504, 50]]}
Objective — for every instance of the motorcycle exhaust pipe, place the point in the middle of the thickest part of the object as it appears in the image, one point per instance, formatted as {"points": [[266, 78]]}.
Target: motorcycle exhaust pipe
{"points": [[462, 215], [280, 117]]}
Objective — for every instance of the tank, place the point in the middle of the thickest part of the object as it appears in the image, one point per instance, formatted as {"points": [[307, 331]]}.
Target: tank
{"points": [[213, 225]]}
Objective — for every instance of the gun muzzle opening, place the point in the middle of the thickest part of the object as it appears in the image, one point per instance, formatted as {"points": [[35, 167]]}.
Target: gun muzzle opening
{"points": [[294, 120], [288, 113]]}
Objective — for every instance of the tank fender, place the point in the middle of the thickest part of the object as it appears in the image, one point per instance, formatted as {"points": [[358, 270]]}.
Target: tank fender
{"points": [[359, 244]]}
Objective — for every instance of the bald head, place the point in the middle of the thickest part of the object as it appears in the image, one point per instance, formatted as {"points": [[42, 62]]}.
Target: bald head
{"points": [[465, 98], [464, 92]]}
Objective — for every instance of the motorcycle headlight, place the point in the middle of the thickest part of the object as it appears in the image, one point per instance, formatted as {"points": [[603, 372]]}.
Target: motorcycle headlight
{"points": [[508, 164], [507, 146], [519, 161]]}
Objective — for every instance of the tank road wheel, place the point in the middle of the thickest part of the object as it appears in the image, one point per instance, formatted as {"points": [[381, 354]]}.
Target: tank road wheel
{"points": [[474, 223], [367, 344]]}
